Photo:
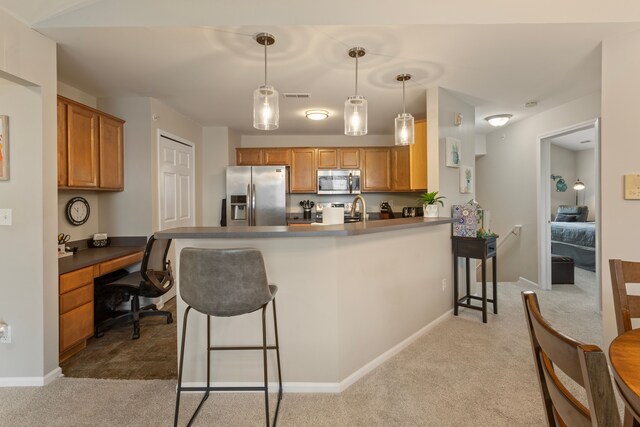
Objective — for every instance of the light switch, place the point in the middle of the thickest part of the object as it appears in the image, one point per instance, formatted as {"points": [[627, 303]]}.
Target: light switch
{"points": [[5, 216]]}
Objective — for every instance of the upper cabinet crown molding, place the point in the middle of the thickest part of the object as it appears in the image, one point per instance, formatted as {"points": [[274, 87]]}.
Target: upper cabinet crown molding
{"points": [[90, 147]]}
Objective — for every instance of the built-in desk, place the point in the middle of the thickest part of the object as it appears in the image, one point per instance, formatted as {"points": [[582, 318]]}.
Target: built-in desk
{"points": [[77, 273]]}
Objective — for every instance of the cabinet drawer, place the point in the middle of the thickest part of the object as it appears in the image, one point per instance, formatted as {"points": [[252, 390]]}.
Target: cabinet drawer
{"points": [[115, 264], [76, 298], [76, 325], [76, 279]]}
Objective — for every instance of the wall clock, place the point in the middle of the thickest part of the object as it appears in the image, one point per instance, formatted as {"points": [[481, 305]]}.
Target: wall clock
{"points": [[77, 210]]}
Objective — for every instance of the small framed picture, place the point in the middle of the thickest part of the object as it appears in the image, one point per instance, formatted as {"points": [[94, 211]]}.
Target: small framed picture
{"points": [[466, 179], [4, 148], [452, 150]]}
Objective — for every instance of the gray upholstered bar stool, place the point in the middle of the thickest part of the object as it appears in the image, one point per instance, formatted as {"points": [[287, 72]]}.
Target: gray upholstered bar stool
{"points": [[224, 283]]}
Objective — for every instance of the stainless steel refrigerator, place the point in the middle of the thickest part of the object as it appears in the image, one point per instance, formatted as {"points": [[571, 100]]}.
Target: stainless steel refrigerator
{"points": [[256, 195]]}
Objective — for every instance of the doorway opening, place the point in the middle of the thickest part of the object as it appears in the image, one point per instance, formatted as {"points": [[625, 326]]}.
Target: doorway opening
{"points": [[569, 208]]}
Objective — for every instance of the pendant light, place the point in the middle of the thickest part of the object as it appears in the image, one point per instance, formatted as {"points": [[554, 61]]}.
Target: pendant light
{"points": [[404, 121], [355, 107], [266, 114]]}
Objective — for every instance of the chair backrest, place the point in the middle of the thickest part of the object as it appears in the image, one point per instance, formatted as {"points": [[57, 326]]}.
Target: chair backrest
{"points": [[585, 364], [627, 306], [223, 282], [155, 268]]}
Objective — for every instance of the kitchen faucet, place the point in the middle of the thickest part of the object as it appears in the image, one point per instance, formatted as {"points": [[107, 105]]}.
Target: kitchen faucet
{"points": [[363, 212]]}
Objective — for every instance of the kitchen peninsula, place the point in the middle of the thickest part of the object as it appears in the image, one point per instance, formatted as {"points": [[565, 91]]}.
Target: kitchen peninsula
{"points": [[349, 297]]}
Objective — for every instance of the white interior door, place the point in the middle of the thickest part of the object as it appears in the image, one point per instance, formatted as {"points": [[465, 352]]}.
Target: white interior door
{"points": [[176, 182]]}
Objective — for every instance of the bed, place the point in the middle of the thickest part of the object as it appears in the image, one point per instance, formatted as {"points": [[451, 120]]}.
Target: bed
{"points": [[574, 236]]}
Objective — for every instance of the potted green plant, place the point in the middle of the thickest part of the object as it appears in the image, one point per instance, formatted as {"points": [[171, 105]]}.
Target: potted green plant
{"points": [[430, 200]]}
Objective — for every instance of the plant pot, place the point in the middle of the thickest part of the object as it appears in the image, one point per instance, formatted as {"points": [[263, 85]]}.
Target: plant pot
{"points": [[430, 211]]}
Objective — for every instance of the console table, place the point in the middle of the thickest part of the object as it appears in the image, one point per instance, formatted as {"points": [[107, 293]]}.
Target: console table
{"points": [[482, 249]]}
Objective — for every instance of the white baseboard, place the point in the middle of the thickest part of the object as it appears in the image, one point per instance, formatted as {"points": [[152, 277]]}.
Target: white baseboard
{"points": [[305, 387], [528, 282], [31, 381]]}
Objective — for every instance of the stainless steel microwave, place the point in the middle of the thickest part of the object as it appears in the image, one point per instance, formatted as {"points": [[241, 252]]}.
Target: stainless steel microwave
{"points": [[339, 181]]}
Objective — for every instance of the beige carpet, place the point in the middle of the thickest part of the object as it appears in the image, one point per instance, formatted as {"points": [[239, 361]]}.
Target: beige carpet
{"points": [[462, 373]]}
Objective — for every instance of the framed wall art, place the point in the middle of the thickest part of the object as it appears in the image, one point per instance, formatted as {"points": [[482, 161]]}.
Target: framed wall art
{"points": [[466, 179], [4, 148], [453, 152]]}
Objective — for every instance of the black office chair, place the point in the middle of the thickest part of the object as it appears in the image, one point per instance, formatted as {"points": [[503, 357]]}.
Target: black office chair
{"points": [[154, 279]]}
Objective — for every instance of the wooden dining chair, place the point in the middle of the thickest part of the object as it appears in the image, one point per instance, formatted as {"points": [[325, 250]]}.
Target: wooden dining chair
{"points": [[585, 364], [627, 306]]}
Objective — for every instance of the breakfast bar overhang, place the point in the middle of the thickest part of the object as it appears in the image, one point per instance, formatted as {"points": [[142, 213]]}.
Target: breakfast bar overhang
{"points": [[350, 296]]}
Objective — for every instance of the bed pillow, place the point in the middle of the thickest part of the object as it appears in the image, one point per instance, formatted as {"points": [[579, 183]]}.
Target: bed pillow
{"points": [[566, 218], [581, 212]]}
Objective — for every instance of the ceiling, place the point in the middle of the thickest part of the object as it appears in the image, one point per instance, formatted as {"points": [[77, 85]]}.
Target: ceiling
{"points": [[579, 140], [209, 73]]}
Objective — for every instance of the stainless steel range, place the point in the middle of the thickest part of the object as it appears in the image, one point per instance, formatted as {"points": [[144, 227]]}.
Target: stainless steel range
{"points": [[346, 206]]}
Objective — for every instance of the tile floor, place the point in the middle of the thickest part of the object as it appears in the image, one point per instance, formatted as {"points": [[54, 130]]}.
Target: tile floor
{"points": [[116, 355]]}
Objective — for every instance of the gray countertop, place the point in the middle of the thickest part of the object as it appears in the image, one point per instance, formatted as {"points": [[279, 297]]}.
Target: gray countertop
{"points": [[353, 229], [120, 247]]}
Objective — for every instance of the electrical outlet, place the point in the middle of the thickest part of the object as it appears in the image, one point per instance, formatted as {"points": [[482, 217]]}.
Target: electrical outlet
{"points": [[5, 216], [5, 334], [444, 285]]}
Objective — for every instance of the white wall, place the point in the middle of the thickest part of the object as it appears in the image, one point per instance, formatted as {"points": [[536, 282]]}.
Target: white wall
{"points": [[507, 181], [563, 163], [216, 152], [28, 260], [586, 171], [134, 211], [619, 154], [449, 178], [315, 141]]}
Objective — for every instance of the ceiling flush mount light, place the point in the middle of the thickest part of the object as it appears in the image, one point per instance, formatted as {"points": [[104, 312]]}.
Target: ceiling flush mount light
{"points": [[499, 119], [404, 121], [355, 107], [266, 114], [316, 114]]}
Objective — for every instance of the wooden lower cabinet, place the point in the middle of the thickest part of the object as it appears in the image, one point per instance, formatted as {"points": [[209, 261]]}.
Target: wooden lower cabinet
{"points": [[76, 311]]}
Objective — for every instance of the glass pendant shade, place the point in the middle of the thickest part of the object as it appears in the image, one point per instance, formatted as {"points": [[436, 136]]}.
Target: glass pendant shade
{"points": [[266, 114], [355, 116], [404, 129]]}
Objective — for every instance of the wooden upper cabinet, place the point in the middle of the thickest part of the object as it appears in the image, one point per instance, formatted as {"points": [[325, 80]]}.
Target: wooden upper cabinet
{"points": [[349, 158], [303, 170], [276, 156], [90, 148], [111, 154], [376, 169], [327, 158], [82, 147], [248, 156], [401, 168], [419, 156], [62, 144]]}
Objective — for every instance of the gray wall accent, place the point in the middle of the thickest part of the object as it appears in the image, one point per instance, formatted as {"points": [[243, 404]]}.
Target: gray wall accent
{"points": [[586, 171], [506, 181], [563, 163], [619, 153], [29, 285]]}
